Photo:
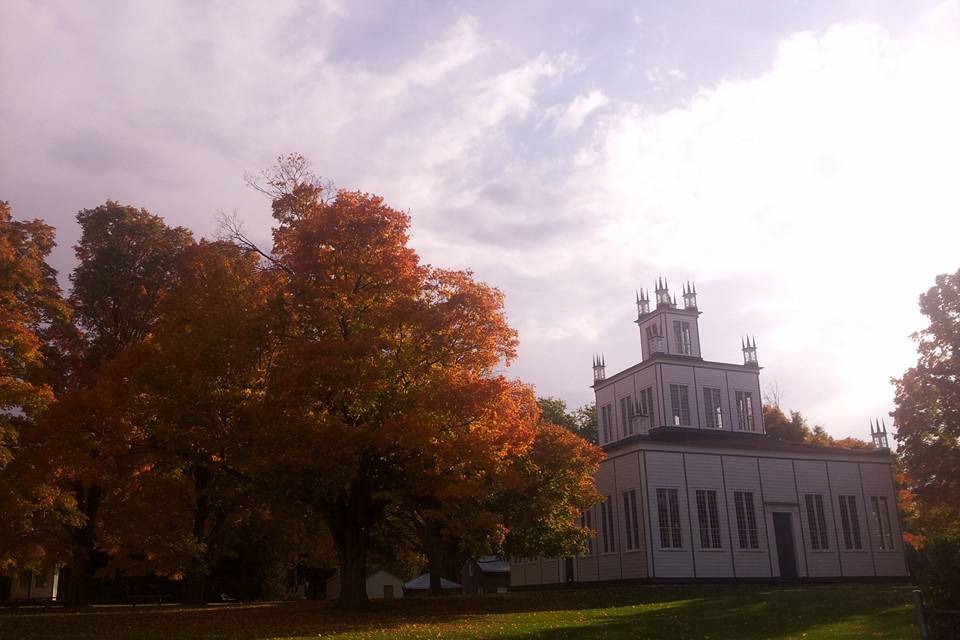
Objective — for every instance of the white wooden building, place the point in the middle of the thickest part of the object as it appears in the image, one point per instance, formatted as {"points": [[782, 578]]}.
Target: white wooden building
{"points": [[381, 585], [695, 490]]}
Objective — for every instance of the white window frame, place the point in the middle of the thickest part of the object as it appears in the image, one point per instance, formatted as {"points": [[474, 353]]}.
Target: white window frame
{"points": [[746, 411], [880, 510], [631, 521], [674, 529], [748, 535], [713, 410], [705, 520], [850, 523], [608, 526], [680, 405], [817, 530], [626, 414]]}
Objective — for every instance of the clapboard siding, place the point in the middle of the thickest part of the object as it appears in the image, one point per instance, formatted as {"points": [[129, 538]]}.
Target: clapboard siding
{"points": [[743, 474], [706, 473], [550, 570], [608, 563], [778, 481], [845, 481], [778, 484], [812, 480], [633, 563], [666, 470], [877, 481]]}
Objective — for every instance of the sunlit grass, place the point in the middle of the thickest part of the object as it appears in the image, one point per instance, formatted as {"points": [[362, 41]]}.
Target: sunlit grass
{"points": [[715, 612]]}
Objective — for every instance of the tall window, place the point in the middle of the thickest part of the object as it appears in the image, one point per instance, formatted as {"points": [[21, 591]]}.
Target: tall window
{"points": [[746, 520], [606, 421], [652, 337], [709, 519], [881, 516], [850, 522], [626, 415], [632, 529], [668, 514], [586, 521], [745, 420], [40, 580], [606, 522], [645, 401], [711, 408], [680, 403], [817, 522], [681, 337]]}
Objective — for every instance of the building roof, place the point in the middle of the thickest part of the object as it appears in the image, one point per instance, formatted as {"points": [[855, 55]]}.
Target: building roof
{"points": [[371, 571], [714, 439], [493, 564], [673, 358], [422, 583]]}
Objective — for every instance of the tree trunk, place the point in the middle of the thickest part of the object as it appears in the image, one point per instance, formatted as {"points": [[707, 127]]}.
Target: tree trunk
{"points": [[196, 574], [435, 566], [84, 554], [350, 521]]}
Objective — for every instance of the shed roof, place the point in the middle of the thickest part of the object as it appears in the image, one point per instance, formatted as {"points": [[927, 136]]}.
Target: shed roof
{"points": [[493, 564], [422, 582]]}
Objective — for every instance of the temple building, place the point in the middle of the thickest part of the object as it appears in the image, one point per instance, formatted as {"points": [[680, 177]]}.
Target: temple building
{"points": [[694, 489]]}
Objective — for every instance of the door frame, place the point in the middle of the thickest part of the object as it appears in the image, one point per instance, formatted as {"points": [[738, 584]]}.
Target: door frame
{"points": [[799, 546]]}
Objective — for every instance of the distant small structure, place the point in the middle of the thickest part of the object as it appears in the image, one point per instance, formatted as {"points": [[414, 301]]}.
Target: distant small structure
{"points": [[36, 585], [420, 586], [486, 574], [381, 585]]}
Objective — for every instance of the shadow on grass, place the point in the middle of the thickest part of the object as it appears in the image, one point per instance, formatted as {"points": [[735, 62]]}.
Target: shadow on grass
{"points": [[719, 612]]}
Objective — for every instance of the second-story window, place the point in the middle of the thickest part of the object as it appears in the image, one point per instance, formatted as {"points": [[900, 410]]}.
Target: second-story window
{"points": [[711, 408], [606, 422], [681, 337], [626, 415], [745, 416], [680, 404]]}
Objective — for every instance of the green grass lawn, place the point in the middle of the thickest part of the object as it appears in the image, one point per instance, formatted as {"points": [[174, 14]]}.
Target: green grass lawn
{"points": [[716, 612]]}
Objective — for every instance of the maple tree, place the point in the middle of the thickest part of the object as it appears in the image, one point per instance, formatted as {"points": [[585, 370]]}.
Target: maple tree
{"points": [[388, 375], [927, 413], [200, 375], [126, 259], [34, 332]]}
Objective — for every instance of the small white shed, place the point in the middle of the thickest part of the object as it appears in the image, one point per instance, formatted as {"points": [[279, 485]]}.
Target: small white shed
{"points": [[381, 585], [36, 585]]}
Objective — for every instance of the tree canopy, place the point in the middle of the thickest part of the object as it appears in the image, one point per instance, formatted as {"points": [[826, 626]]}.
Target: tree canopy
{"points": [[927, 412], [217, 400]]}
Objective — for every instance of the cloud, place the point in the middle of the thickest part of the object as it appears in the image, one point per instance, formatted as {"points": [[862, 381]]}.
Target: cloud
{"points": [[570, 118], [812, 201], [832, 175], [660, 78]]}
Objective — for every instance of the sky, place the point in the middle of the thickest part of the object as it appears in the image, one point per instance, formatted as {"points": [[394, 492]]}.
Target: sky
{"points": [[797, 160]]}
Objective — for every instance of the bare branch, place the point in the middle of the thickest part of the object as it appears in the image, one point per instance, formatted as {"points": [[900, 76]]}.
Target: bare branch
{"points": [[230, 229]]}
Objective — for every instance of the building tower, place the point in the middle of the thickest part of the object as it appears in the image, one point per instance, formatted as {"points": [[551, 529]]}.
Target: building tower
{"points": [[668, 329], [599, 368], [878, 434], [749, 347]]}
